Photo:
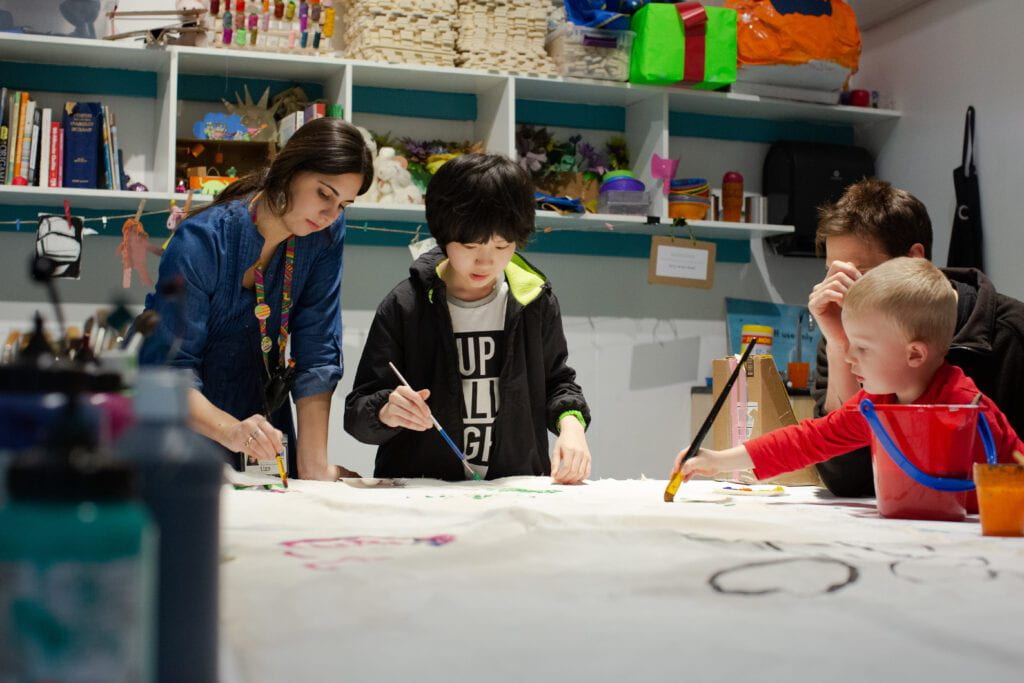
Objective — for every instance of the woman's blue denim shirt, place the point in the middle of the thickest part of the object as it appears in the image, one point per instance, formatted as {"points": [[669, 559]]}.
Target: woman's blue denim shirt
{"points": [[220, 333]]}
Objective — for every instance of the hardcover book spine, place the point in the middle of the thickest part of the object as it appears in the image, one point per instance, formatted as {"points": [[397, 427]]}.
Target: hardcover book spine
{"points": [[82, 121], [53, 177]]}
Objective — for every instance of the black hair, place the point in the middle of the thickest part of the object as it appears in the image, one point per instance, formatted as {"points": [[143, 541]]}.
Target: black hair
{"points": [[330, 146], [476, 196]]}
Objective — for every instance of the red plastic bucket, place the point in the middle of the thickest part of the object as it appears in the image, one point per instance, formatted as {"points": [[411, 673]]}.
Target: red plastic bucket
{"points": [[923, 456]]}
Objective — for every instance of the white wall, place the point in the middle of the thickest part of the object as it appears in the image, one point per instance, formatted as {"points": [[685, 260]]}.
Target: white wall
{"points": [[935, 60]]}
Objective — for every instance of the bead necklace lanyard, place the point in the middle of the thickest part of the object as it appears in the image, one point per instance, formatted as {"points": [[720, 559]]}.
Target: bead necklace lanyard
{"points": [[262, 309]]}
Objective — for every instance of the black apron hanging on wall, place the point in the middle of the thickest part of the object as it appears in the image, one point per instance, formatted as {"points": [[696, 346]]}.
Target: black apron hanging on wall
{"points": [[965, 244]]}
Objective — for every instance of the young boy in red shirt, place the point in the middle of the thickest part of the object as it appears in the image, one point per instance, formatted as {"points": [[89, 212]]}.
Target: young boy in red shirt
{"points": [[898, 320]]}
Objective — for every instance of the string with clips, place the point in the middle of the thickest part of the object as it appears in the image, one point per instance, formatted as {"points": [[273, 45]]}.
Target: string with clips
{"points": [[414, 234], [138, 214]]}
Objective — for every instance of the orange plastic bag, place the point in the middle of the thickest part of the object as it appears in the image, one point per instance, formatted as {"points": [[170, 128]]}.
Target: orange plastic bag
{"points": [[796, 32]]}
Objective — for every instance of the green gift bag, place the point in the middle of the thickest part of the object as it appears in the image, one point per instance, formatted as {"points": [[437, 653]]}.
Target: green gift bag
{"points": [[667, 47]]}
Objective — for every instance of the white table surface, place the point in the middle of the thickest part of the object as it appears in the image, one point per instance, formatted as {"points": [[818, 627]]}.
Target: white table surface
{"points": [[519, 579]]}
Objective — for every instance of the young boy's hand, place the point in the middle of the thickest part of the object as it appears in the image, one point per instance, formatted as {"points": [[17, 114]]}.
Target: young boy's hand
{"points": [[708, 463], [826, 300], [407, 408], [570, 458]]}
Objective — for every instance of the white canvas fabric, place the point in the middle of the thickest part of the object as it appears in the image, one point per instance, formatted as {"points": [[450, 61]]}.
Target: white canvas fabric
{"points": [[518, 579]]}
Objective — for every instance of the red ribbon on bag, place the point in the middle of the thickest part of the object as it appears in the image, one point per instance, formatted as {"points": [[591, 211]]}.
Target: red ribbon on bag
{"points": [[695, 28]]}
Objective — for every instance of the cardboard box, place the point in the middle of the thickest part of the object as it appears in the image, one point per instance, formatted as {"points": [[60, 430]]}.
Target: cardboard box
{"points": [[758, 404]]}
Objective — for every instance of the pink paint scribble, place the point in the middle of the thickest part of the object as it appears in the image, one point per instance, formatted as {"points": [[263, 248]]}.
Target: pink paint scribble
{"points": [[328, 553]]}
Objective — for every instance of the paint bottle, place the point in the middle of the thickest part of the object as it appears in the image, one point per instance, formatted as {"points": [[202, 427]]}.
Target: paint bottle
{"points": [[764, 335], [328, 18], [732, 196], [77, 561], [180, 477], [33, 399]]}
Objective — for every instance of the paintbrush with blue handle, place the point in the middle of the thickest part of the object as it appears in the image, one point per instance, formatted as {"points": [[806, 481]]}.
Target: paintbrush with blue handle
{"points": [[439, 428]]}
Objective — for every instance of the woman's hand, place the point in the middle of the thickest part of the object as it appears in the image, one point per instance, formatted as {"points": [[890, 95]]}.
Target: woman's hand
{"points": [[407, 408], [570, 458], [255, 437]]}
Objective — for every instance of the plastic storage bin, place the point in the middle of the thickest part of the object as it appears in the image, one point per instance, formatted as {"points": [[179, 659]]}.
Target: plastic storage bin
{"points": [[628, 202], [584, 52]]}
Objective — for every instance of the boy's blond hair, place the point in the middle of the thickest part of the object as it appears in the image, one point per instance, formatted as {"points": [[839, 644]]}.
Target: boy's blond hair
{"points": [[913, 293]]}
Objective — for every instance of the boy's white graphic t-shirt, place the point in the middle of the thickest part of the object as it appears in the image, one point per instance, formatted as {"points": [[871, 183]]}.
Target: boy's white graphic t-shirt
{"points": [[479, 328]]}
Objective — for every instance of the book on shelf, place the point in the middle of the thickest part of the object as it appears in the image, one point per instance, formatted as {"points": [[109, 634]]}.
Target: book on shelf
{"points": [[120, 167], [316, 110], [81, 123], [288, 125], [108, 171], [117, 158], [19, 137], [43, 165], [4, 117], [14, 103], [56, 156], [31, 162], [23, 173]]}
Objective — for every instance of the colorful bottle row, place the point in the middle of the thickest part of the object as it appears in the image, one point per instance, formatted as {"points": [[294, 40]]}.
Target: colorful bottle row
{"points": [[278, 26]]}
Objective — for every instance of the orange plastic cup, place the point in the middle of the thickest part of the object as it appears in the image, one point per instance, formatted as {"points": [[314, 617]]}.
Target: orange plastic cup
{"points": [[798, 374], [1000, 499]]}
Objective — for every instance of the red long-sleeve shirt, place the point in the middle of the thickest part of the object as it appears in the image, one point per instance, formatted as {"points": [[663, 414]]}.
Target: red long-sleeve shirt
{"points": [[843, 430]]}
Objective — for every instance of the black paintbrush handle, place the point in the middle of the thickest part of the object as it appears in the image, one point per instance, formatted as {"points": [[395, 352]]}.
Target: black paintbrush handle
{"points": [[719, 402]]}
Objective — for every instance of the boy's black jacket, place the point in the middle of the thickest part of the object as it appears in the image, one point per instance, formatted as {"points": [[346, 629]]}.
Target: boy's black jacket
{"points": [[412, 329]]}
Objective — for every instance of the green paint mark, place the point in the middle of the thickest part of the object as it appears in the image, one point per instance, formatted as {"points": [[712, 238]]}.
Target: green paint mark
{"points": [[515, 490], [479, 497]]}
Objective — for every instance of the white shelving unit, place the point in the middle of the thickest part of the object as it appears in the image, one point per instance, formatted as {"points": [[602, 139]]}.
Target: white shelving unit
{"points": [[646, 118], [14, 195]]}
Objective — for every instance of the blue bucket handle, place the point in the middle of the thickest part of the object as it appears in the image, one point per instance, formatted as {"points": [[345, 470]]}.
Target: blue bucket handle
{"points": [[867, 409]]}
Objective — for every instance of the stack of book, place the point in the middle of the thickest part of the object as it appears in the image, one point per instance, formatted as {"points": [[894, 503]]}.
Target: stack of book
{"points": [[287, 126], [76, 147]]}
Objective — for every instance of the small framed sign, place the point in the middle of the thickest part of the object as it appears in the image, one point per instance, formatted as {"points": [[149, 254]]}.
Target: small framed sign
{"points": [[681, 262]]}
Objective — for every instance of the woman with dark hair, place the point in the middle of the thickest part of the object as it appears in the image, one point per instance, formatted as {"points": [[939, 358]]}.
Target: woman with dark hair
{"points": [[261, 267]]}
